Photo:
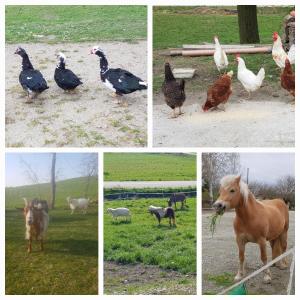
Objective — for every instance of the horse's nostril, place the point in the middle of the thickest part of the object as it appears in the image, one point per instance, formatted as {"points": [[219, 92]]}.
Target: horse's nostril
{"points": [[218, 205]]}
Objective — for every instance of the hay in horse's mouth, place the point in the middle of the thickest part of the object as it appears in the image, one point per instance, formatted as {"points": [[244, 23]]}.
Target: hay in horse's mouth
{"points": [[213, 221]]}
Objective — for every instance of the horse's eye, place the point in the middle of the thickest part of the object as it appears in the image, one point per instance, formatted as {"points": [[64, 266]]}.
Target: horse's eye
{"points": [[231, 191]]}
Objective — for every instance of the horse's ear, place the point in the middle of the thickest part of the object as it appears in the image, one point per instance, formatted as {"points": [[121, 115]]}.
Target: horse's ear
{"points": [[238, 178]]}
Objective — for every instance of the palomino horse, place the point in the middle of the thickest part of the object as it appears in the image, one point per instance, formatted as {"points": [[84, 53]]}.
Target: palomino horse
{"points": [[36, 222], [255, 221]]}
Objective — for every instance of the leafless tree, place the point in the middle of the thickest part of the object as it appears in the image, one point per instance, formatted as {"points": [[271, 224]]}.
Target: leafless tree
{"points": [[89, 166], [286, 189], [31, 175], [217, 165]]}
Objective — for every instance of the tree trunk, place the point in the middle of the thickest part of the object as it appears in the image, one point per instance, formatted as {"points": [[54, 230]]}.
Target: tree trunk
{"points": [[211, 193], [87, 186], [248, 27], [53, 184]]}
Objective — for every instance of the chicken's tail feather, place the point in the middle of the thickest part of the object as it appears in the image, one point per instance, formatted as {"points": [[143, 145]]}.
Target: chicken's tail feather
{"points": [[260, 76]]}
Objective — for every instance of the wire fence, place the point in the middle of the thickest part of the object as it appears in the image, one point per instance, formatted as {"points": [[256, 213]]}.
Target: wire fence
{"points": [[146, 195], [292, 269]]}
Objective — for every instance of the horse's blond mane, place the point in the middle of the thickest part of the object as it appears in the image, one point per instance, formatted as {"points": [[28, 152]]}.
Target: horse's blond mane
{"points": [[228, 179]]}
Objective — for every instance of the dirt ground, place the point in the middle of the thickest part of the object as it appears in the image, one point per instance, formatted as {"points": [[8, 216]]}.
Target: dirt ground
{"points": [[88, 118], [220, 256], [267, 119], [140, 279]]}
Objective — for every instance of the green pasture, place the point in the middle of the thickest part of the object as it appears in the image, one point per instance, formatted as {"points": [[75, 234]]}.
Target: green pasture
{"points": [[74, 23], [149, 167], [69, 263], [143, 241]]}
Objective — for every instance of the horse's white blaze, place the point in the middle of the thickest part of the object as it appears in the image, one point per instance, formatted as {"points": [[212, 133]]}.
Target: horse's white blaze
{"points": [[227, 180]]}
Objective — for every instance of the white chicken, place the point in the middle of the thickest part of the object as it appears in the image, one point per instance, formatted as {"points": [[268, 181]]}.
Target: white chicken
{"points": [[278, 53], [248, 79], [220, 56]]}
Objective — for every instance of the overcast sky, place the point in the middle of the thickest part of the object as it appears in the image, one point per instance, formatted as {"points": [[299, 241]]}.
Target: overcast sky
{"points": [[68, 165], [267, 167]]}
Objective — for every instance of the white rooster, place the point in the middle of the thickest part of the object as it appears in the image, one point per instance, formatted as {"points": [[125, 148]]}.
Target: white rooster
{"points": [[220, 56], [278, 53], [248, 79]]}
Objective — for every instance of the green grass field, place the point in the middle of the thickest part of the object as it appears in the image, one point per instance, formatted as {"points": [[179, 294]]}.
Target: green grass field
{"points": [[71, 187], [175, 26], [143, 241], [58, 24], [69, 264], [149, 167]]}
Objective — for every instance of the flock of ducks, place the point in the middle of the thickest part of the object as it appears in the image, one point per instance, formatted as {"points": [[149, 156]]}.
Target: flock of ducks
{"points": [[117, 80]]}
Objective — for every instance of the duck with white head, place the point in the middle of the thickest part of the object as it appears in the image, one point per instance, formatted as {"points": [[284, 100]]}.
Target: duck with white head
{"points": [[117, 80]]}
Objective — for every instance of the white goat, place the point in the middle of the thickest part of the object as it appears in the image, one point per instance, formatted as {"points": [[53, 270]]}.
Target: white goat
{"points": [[161, 212], [119, 212], [79, 203], [158, 209]]}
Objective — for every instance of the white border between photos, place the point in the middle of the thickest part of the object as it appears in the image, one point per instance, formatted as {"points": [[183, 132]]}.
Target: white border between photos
{"points": [[100, 151]]}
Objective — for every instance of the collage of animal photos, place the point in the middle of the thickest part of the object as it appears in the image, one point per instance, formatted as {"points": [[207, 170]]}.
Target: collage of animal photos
{"points": [[148, 149]]}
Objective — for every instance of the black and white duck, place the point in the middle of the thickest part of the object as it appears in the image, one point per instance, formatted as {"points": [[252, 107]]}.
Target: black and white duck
{"points": [[31, 80], [118, 80], [63, 77]]}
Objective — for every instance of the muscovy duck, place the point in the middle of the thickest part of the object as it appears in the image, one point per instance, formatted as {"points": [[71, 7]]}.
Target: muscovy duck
{"points": [[118, 80], [65, 78], [173, 91], [31, 80]]}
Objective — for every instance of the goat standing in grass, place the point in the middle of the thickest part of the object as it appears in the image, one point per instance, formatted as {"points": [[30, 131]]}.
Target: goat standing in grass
{"points": [[119, 212], [161, 212], [36, 222], [80, 203]]}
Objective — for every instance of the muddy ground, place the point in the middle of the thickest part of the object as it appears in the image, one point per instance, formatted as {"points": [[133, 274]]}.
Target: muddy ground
{"points": [[267, 119], [89, 118], [220, 256], [140, 279]]}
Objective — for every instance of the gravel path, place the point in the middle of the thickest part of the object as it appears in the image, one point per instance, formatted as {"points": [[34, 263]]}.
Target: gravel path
{"points": [[90, 117], [149, 184], [263, 121], [220, 255]]}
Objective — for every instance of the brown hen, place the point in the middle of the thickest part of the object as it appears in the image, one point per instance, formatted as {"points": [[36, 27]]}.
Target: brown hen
{"points": [[219, 92], [288, 78], [173, 91]]}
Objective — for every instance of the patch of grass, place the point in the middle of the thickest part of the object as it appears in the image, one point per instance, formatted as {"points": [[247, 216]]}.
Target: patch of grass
{"points": [[225, 279], [115, 123], [173, 27], [74, 23], [138, 242], [69, 264], [16, 145], [48, 142], [149, 166]]}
